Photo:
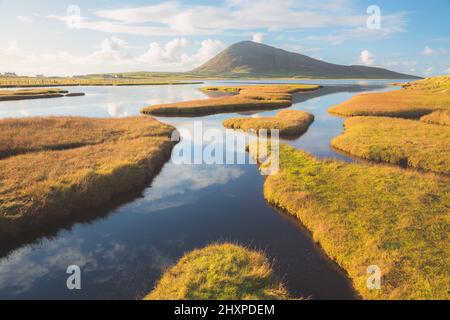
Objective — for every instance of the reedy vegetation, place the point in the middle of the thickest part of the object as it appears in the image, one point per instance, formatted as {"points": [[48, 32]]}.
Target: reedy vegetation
{"points": [[437, 117], [408, 143], [290, 123], [246, 98], [364, 215], [23, 82], [57, 166], [415, 100], [24, 94], [220, 272]]}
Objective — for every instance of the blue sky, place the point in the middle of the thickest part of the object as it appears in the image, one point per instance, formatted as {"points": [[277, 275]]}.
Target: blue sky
{"points": [[78, 37]]}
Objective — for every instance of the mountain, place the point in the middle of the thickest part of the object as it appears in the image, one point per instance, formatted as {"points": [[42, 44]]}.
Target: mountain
{"points": [[249, 58]]}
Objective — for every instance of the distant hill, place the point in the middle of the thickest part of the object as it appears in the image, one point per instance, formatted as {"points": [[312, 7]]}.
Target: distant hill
{"points": [[249, 58]]}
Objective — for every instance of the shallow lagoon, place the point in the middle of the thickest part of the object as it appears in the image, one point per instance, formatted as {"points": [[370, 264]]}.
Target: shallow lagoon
{"points": [[124, 248]]}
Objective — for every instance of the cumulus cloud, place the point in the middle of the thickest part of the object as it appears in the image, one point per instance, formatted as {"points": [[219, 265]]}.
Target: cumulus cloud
{"points": [[112, 55], [366, 57], [258, 37], [172, 51]]}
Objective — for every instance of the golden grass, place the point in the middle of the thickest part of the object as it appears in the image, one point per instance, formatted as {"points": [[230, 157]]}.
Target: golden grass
{"points": [[23, 82], [365, 215], [65, 165], [398, 141], [437, 117], [434, 84], [247, 98], [35, 134], [220, 272], [289, 123], [415, 100], [31, 94]]}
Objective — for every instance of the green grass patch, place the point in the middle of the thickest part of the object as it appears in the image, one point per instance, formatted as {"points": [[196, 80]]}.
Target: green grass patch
{"points": [[220, 272], [408, 143], [365, 215]]}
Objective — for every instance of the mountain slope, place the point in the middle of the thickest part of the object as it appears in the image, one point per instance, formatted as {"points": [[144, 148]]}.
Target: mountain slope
{"points": [[255, 59]]}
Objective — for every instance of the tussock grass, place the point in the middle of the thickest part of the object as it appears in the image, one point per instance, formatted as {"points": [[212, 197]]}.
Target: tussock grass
{"points": [[290, 123], [24, 82], [220, 272], [71, 164], [365, 215], [415, 100], [437, 117], [35, 134], [31, 94], [247, 98], [404, 142]]}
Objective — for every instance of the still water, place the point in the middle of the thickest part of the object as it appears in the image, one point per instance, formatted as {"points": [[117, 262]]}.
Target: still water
{"points": [[123, 249]]}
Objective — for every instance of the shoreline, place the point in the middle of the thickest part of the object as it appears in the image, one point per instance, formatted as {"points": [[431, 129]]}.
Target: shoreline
{"points": [[242, 98], [63, 196]]}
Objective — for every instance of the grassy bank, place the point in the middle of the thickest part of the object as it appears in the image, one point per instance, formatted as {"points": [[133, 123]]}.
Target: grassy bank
{"points": [[220, 272], [437, 117], [25, 94], [365, 215], [23, 82], [247, 98], [408, 143], [55, 167], [414, 100], [290, 123]]}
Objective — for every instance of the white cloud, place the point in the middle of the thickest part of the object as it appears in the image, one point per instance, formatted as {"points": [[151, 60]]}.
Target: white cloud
{"points": [[142, 14], [447, 70], [209, 48], [392, 24], [172, 51], [174, 18], [428, 51], [112, 55], [25, 19], [258, 37], [366, 57]]}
